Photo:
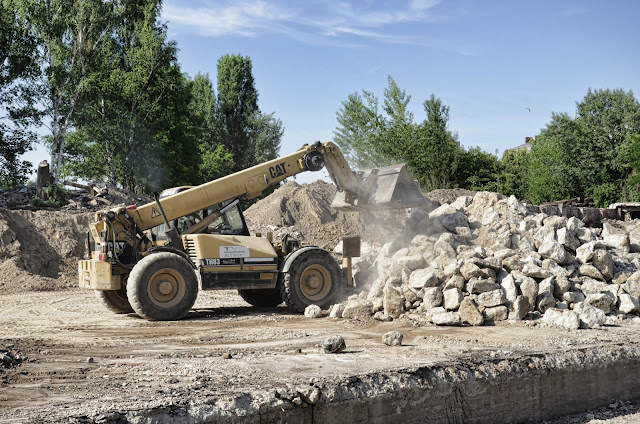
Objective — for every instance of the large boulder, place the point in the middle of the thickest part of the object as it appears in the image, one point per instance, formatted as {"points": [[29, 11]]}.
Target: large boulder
{"points": [[602, 301], [446, 318], [452, 298], [313, 311], [585, 252], [604, 262], [449, 218], [590, 316], [615, 237], [470, 270], [411, 262], [432, 297], [392, 338], [632, 286], [393, 302], [469, 312], [532, 270], [491, 298], [556, 222], [573, 297], [545, 301], [562, 318], [567, 239], [591, 271], [496, 313], [422, 278], [628, 303], [508, 284], [477, 286], [529, 290], [358, 309], [553, 250], [519, 309]]}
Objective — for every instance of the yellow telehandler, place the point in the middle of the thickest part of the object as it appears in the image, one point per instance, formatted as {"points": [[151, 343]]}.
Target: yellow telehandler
{"points": [[153, 259]]}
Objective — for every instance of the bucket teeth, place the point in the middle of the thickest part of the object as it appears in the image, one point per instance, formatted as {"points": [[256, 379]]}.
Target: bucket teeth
{"points": [[394, 188]]}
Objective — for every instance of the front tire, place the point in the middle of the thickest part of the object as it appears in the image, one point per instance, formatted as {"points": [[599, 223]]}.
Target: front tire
{"points": [[162, 287], [261, 297], [115, 300], [314, 278]]}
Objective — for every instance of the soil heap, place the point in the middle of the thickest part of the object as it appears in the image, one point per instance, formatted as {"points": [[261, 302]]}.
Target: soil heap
{"points": [[40, 248], [304, 211], [485, 258]]}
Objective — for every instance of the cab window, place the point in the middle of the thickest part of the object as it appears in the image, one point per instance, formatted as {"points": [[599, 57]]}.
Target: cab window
{"points": [[231, 222]]}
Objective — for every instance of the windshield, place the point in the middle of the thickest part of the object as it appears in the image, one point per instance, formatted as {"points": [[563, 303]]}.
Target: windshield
{"points": [[230, 222]]}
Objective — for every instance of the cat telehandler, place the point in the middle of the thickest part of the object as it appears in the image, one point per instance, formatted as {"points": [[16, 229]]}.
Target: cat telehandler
{"points": [[153, 259]]}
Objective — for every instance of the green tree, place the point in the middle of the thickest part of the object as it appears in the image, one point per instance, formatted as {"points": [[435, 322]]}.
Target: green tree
{"points": [[248, 134], [477, 170], [633, 157], [369, 138], [134, 116], [585, 156], [436, 151], [237, 103], [514, 166], [19, 74], [69, 36], [216, 160], [265, 132], [359, 129]]}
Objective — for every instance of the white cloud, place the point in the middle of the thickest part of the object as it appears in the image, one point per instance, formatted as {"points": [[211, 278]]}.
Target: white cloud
{"points": [[348, 23], [248, 18]]}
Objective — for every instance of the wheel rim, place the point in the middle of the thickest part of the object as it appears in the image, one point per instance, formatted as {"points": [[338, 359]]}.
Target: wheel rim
{"points": [[315, 282], [166, 288]]}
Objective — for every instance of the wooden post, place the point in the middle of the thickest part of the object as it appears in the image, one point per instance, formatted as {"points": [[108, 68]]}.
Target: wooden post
{"points": [[44, 179]]}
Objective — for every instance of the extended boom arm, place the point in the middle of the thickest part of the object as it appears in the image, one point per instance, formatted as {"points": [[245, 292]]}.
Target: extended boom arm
{"points": [[357, 191]]}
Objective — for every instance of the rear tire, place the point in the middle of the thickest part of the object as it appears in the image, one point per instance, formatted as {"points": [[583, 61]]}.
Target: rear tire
{"points": [[261, 297], [314, 278], [162, 287], [115, 300]]}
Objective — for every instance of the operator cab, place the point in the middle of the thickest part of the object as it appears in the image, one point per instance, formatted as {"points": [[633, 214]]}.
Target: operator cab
{"points": [[230, 222]]}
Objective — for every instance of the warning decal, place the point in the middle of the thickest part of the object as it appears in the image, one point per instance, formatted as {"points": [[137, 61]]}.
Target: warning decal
{"points": [[154, 213]]}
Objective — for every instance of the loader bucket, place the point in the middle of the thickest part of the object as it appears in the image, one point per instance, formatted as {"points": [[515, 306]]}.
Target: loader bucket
{"points": [[394, 189]]}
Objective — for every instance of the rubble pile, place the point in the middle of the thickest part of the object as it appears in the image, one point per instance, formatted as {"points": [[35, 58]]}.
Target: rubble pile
{"points": [[485, 258], [24, 197]]}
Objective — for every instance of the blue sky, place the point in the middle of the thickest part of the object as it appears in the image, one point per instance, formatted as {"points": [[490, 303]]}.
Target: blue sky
{"points": [[501, 66]]}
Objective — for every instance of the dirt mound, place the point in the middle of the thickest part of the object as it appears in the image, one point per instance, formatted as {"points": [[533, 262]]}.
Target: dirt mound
{"points": [[40, 249], [305, 212], [448, 195]]}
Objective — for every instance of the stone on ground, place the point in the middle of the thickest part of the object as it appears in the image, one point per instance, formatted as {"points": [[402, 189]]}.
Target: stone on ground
{"points": [[446, 318], [392, 338], [562, 318], [313, 311], [334, 344]]}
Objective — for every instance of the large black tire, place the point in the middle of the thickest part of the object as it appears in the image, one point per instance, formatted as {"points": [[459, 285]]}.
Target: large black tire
{"points": [[314, 278], [162, 287], [261, 297], [115, 300]]}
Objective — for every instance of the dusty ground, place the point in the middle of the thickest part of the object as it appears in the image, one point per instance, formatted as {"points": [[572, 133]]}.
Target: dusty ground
{"points": [[85, 363]]}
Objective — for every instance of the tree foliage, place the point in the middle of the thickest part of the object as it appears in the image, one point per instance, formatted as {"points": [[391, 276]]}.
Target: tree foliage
{"points": [[586, 156], [512, 178], [19, 73], [370, 138]]}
